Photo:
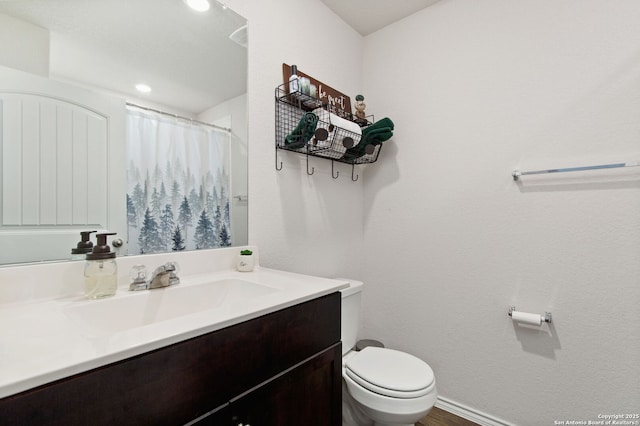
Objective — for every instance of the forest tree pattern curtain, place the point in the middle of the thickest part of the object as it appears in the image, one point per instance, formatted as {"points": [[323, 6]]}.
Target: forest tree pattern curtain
{"points": [[178, 184]]}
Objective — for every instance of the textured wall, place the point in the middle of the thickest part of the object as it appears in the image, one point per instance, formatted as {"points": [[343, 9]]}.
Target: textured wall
{"points": [[310, 224], [477, 89]]}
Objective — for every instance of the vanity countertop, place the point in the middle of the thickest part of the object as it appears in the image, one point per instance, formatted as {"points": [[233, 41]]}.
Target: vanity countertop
{"points": [[46, 340]]}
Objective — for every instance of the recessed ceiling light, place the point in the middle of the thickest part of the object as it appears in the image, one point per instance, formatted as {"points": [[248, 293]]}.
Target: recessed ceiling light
{"points": [[198, 5], [143, 88]]}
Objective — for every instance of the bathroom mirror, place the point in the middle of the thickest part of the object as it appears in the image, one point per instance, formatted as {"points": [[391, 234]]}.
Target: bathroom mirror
{"points": [[195, 63]]}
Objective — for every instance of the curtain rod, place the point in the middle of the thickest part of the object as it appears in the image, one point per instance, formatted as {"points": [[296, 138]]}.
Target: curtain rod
{"points": [[179, 117]]}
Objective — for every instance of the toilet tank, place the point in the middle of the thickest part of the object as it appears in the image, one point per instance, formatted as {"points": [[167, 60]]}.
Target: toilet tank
{"points": [[350, 318]]}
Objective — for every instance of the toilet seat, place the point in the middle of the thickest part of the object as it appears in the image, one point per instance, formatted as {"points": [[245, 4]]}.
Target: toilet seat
{"points": [[390, 373]]}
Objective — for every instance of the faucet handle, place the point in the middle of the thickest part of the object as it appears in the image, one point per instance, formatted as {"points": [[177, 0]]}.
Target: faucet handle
{"points": [[138, 275], [173, 267]]}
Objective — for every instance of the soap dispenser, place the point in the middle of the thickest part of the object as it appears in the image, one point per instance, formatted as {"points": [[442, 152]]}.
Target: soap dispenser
{"points": [[101, 270], [83, 247]]}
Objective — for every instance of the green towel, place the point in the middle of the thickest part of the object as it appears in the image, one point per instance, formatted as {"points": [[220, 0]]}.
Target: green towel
{"points": [[385, 122], [303, 132], [375, 134]]}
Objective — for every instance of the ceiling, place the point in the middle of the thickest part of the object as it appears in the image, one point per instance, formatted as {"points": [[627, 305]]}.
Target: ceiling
{"points": [[185, 56], [368, 16]]}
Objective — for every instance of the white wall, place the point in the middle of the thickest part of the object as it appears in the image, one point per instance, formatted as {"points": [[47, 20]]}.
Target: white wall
{"points": [[24, 46], [310, 224], [477, 89]]}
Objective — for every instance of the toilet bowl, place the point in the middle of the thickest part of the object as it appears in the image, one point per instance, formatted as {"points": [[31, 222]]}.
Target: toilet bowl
{"points": [[380, 386]]}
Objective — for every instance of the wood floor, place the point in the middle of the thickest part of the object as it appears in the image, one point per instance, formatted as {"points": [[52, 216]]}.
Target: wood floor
{"points": [[438, 417]]}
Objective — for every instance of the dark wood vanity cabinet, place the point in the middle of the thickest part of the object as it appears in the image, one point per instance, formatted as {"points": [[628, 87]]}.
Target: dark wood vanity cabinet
{"points": [[304, 395], [282, 368]]}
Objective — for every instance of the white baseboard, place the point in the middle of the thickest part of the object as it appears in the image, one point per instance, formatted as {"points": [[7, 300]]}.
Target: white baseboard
{"points": [[460, 410]]}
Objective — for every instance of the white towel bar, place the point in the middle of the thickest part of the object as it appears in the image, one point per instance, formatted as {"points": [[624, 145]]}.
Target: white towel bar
{"points": [[517, 173]]}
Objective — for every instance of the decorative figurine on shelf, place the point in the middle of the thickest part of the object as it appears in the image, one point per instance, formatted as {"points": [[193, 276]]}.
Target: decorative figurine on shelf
{"points": [[360, 106]]}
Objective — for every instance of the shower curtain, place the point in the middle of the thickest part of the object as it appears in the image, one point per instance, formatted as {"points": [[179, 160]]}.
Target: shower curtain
{"points": [[178, 184]]}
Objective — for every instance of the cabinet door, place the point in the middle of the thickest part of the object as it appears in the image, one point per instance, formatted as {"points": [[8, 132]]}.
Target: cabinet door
{"points": [[308, 394]]}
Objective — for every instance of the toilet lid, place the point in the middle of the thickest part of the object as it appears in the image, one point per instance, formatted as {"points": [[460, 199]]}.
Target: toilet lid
{"points": [[390, 372]]}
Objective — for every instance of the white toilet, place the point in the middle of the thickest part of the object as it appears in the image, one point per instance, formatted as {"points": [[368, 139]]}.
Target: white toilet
{"points": [[380, 386]]}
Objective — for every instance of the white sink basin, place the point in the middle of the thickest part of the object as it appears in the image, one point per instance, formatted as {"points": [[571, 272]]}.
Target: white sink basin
{"points": [[151, 306]]}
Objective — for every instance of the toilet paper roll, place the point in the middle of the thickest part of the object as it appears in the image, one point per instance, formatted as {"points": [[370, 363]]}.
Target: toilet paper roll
{"points": [[328, 119], [526, 318]]}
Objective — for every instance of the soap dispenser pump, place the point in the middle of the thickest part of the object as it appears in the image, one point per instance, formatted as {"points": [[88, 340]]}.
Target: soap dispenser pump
{"points": [[83, 247], [101, 270]]}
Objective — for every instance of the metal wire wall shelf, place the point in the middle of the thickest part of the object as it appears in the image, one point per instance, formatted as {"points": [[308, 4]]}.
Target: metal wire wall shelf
{"points": [[307, 126]]}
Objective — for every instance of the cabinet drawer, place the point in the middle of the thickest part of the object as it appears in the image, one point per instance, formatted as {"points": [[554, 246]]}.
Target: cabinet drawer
{"points": [[178, 383]]}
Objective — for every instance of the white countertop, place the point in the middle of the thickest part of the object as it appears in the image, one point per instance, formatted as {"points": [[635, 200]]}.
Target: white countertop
{"points": [[40, 342]]}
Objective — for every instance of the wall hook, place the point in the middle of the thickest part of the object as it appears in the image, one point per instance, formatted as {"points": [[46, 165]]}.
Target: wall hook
{"points": [[313, 169], [278, 168], [353, 169], [337, 173]]}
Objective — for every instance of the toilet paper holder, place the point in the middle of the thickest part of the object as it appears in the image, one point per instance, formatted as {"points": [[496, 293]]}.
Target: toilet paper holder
{"points": [[546, 317]]}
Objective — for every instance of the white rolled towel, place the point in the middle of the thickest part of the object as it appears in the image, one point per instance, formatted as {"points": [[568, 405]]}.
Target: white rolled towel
{"points": [[326, 118]]}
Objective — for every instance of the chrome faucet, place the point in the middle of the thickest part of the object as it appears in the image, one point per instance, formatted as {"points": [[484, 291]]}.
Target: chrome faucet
{"points": [[164, 276]]}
